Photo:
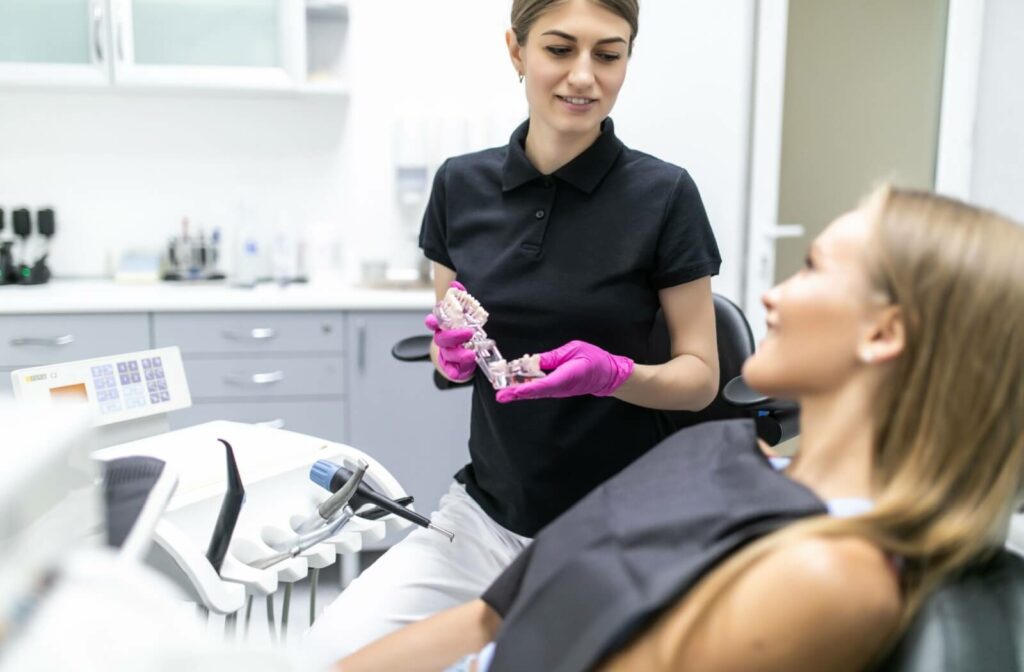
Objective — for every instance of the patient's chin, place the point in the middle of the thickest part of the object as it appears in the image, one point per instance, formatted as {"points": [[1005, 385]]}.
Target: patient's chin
{"points": [[762, 377]]}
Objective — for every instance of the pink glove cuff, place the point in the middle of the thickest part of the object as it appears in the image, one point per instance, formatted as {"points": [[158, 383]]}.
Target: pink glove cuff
{"points": [[622, 367]]}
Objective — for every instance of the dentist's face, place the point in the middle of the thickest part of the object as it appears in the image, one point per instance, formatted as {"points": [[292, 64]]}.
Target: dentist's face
{"points": [[818, 318], [574, 62]]}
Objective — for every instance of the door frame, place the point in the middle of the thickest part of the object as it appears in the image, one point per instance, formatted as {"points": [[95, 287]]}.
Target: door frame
{"points": [[965, 28], [955, 142]]}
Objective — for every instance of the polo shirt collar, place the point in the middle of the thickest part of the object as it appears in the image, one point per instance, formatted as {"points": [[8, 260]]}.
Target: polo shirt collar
{"points": [[584, 172]]}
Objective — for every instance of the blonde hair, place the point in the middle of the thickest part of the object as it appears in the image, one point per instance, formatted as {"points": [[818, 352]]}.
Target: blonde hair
{"points": [[949, 421]]}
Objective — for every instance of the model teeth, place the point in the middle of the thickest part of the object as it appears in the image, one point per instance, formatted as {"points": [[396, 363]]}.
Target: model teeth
{"points": [[578, 101], [460, 308]]}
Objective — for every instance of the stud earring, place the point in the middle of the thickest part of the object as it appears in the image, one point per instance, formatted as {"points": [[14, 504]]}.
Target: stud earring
{"points": [[867, 356], [521, 77]]}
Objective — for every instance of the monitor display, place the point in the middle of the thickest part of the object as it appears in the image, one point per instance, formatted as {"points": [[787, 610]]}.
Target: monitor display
{"points": [[76, 392]]}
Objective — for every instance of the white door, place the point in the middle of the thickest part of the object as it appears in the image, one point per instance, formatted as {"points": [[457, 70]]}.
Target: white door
{"points": [[223, 44], [54, 42], [848, 94]]}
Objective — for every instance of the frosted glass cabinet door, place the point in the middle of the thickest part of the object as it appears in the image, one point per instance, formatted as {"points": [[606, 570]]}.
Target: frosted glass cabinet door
{"points": [[53, 41], [223, 43]]}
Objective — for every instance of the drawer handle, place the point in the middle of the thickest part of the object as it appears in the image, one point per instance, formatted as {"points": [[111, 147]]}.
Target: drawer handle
{"points": [[55, 342], [276, 423], [257, 334], [256, 378]]}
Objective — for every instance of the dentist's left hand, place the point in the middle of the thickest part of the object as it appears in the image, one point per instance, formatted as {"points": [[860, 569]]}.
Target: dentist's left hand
{"points": [[577, 368]]}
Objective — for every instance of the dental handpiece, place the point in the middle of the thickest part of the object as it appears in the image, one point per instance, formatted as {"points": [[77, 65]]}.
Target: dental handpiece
{"points": [[306, 541], [331, 476], [335, 502]]}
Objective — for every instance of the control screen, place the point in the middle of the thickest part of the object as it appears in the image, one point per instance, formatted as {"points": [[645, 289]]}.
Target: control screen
{"points": [[77, 392]]}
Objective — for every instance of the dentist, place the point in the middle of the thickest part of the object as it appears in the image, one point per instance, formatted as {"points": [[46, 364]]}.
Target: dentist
{"points": [[572, 241]]}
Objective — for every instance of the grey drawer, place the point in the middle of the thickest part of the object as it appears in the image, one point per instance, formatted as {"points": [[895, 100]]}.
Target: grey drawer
{"points": [[317, 418], [33, 340], [250, 333], [264, 377]]}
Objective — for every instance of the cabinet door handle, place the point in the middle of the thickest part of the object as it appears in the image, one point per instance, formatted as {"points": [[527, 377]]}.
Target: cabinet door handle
{"points": [[276, 423], [361, 346], [120, 40], [55, 342], [97, 25], [256, 334], [256, 378]]}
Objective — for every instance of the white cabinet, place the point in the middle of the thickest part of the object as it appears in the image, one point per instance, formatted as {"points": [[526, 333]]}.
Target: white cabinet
{"points": [[273, 46], [54, 42], [226, 44], [284, 370]]}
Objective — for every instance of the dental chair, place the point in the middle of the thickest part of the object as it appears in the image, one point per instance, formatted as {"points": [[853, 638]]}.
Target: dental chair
{"points": [[973, 623]]}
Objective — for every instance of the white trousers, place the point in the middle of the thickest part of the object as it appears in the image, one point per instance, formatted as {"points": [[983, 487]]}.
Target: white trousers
{"points": [[421, 575]]}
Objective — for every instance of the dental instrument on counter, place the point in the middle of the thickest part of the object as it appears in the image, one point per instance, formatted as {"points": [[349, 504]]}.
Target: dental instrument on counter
{"points": [[459, 308], [331, 476], [230, 508]]}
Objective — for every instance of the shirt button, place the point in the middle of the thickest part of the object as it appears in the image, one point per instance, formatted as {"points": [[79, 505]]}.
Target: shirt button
{"points": [[549, 182], [539, 214]]}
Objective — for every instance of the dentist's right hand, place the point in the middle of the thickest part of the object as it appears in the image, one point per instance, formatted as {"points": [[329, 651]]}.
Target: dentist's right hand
{"points": [[456, 362]]}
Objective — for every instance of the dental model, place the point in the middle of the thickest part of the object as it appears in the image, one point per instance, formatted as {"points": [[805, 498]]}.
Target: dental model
{"points": [[459, 309]]}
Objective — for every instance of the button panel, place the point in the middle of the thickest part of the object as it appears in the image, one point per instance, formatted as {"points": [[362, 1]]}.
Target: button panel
{"points": [[130, 384]]}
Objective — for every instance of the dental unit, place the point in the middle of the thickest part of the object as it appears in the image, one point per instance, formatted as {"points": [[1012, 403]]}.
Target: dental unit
{"points": [[243, 521]]}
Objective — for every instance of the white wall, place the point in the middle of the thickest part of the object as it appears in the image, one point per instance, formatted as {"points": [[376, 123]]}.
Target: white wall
{"points": [[123, 169], [997, 179]]}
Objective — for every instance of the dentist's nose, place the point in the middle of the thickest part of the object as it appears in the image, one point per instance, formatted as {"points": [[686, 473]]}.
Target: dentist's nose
{"points": [[581, 77]]}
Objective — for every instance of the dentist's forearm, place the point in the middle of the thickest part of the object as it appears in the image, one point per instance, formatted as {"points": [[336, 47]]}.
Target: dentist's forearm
{"points": [[684, 383], [429, 645]]}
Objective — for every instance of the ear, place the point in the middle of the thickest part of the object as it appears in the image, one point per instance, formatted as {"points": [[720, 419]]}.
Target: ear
{"points": [[515, 51], [887, 338]]}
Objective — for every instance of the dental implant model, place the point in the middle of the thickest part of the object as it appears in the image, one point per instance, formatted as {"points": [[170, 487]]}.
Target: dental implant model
{"points": [[459, 309]]}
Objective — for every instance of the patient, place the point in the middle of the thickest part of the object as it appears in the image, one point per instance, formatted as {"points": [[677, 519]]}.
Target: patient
{"points": [[903, 340]]}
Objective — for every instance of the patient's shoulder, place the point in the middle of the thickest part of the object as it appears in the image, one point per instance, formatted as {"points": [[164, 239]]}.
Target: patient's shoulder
{"points": [[818, 603], [848, 574]]}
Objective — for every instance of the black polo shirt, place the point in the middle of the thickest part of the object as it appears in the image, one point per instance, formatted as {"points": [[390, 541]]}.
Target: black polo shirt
{"points": [[579, 254]]}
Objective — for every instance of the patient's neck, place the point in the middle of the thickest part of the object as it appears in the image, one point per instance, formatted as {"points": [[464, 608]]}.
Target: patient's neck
{"points": [[835, 455]]}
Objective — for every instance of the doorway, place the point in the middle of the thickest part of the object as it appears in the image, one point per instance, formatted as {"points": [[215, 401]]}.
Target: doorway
{"points": [[848, 98]]}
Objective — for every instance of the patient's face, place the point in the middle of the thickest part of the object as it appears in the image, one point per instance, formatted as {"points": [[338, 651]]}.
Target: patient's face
{"points": [[818, 317]]}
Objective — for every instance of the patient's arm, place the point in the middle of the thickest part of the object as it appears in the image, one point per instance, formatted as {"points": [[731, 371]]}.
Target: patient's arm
{"points": [[431, 644], [819, 604]]}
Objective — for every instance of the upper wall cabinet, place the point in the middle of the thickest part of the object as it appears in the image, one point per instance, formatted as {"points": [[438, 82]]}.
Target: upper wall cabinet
{"points": [[54, 42], [252, 45]]}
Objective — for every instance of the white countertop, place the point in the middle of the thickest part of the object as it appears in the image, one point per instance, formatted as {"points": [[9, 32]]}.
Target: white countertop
{"points": [[98, 296]]}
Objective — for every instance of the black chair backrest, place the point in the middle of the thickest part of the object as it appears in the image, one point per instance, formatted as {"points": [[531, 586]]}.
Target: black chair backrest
{"points": [[735, 345], [974, 621]]}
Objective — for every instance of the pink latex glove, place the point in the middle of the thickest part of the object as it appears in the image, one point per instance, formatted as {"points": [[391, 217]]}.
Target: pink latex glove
{"points": [[457, 362], [578, 368]]}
